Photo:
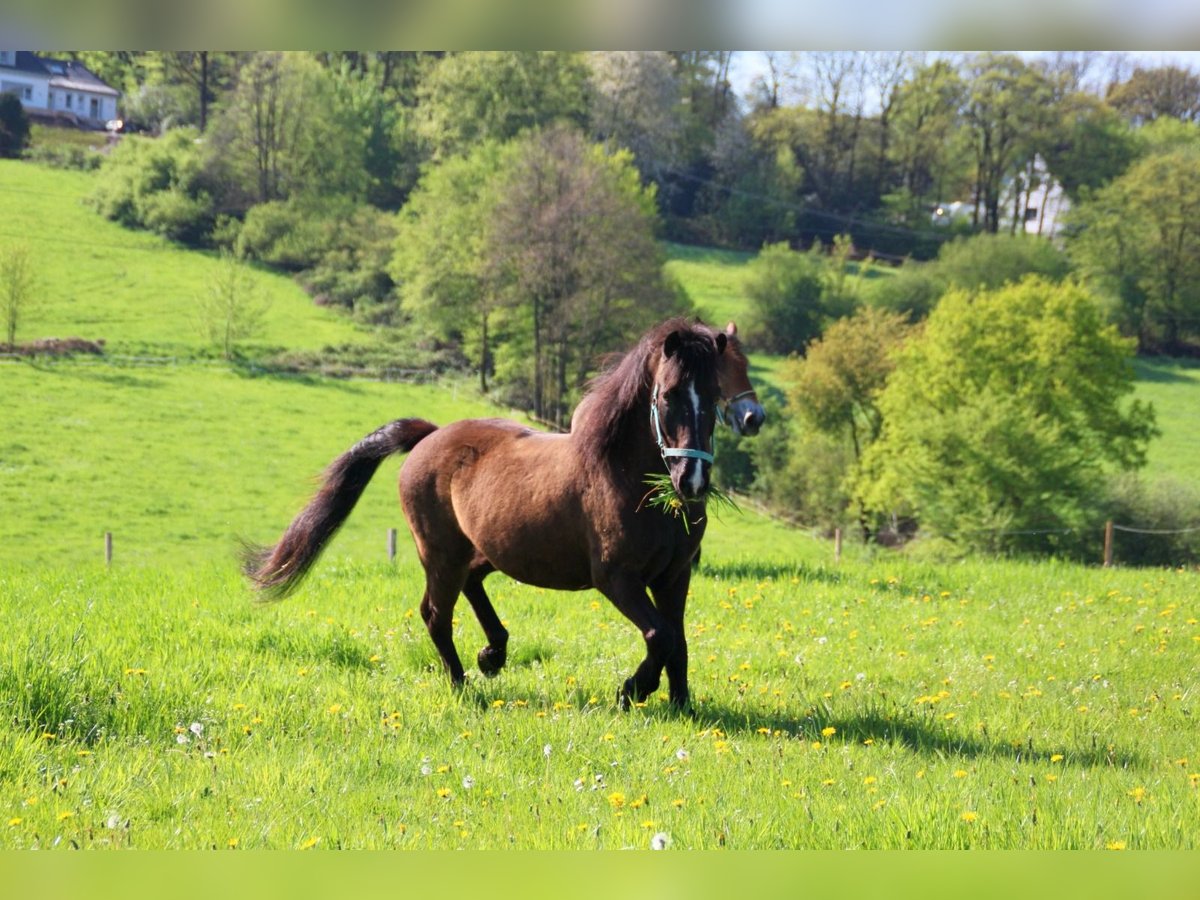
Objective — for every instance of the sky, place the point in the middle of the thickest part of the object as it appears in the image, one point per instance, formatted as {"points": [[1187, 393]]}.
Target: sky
{"points": [[749, 64]]}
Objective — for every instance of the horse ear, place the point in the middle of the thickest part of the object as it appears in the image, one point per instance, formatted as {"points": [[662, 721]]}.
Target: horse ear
{"points": [[672, 344], [722, 340], [731, 329]]}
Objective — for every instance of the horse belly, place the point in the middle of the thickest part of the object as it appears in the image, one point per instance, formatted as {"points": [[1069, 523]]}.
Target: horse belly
{"points": [[526, 519]]}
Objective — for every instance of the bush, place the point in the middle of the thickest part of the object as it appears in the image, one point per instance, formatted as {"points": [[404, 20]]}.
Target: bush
{"points": [[14, 126], [282, 234], [158, 184], [786, 299], [1164, 505]]}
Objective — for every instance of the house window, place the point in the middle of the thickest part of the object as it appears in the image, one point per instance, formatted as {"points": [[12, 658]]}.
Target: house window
{"points": [[28, 92], [68, 101], [1031, 213], [95, 108]]}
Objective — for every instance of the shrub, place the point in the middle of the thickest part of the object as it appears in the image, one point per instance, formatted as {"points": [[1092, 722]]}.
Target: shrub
{"points": [[14, 126], [1162, 505], [158, 184]]}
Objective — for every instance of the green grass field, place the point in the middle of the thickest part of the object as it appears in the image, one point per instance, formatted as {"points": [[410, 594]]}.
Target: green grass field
{"points": [[134, 290], [883, 702]]}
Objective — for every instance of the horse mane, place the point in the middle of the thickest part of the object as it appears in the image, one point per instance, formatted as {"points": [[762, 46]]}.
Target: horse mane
{"points": [[619, 395]]}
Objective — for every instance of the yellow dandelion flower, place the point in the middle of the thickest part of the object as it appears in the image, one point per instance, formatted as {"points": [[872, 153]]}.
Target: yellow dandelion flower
{"points": [[1057, 757], [616, 799], [1138, 794], [870, 779], [310, 843], [63, 816], [335, 709], [1051, 778], [969, 816], [443, 769], [648, 823], [47, 736], [1115, 845], [816, 745], [443, 792], [868, 742], [640, 801], [764, 731], [678, 802], [828, 782], [960, 773], [828, 731], [496, 704], [14, 821], [232, 844]]}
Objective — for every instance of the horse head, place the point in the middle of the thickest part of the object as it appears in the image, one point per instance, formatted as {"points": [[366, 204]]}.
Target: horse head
{"points": [[738, 406], [683, 406]]}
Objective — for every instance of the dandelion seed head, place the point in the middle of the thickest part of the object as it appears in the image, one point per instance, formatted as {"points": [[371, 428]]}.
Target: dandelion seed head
{"points": [[468, 782], [660, 841]]}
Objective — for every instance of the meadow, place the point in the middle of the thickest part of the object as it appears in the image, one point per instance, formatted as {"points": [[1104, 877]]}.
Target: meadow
{"points": [[881, 702]]}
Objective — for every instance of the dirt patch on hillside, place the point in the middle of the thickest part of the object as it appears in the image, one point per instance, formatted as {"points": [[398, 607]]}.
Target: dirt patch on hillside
{"points": [[56, 347]]}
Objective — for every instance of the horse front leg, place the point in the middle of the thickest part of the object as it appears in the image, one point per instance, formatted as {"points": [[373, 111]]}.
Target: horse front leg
{"points": [[628, 595], [671, 600]]}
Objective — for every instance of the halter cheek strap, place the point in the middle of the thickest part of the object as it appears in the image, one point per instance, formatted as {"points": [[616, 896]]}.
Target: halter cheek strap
{"points": [[723, 413], [666, 451]]}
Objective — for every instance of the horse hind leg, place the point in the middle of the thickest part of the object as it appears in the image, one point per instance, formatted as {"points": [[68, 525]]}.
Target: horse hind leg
{"points": [[492, 657], [437, 609]]}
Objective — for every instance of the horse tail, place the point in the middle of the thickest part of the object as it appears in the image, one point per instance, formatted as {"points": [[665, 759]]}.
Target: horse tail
{"points": [[277, 571]]}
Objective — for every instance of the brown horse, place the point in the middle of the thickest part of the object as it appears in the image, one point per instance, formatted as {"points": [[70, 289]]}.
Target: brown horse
{"points": [[561, 511]]}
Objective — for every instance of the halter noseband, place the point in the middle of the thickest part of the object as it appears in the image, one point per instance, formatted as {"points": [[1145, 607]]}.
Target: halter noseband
{"points": [[666, 451], [723, 413]]}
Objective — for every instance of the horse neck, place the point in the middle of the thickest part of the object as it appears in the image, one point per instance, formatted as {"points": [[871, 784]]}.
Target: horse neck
{"points": [[629, 449]]}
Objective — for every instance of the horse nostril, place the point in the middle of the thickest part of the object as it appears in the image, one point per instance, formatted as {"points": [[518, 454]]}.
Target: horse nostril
{"points": [[752, 421]]}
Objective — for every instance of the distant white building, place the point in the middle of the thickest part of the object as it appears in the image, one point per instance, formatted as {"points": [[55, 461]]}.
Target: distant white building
{"points": [[1044, 206], [57, 88]]}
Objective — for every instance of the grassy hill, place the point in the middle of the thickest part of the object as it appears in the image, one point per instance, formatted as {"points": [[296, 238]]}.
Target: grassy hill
{"points": [[132, 289]]}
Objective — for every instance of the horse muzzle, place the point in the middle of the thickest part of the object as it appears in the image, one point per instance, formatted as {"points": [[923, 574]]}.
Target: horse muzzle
{"points": [[691, 477], [746, 417]]}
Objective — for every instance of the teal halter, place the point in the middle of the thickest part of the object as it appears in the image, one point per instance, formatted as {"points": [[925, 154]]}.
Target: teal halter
{"points": [[666, 451]]}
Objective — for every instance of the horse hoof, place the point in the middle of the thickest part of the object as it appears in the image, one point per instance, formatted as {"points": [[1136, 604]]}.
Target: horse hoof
{"points": [[491, 661]]}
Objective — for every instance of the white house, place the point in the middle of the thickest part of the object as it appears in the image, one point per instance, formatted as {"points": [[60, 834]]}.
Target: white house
{"points": [[57, 88]]}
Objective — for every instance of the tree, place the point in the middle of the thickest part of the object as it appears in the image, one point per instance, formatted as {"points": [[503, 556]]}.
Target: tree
{"points": [[440, 261], [1092, 146], [1141, 236], [283, 132], [17, 285], [785, 289], [1000, 418], [14, 126], [835, 388], [1163, 92], [571, 245], [230, 309], [467, 98], [1007, 111], [636, 104]]}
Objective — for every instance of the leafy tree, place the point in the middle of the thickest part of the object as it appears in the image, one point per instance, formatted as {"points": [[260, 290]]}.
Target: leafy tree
{"points": [[834, 389], [1163, 92], [18, 282], [1000, 418], [1007, 112], [440, 261], [571, 245], [1092, 146], [636, 103], [14, 126], [283, 132], [1141, 236], [992, 260], [467, 98], [785, 289]]}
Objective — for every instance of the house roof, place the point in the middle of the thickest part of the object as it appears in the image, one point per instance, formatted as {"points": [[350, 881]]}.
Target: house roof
{"points": [[62, 73]]}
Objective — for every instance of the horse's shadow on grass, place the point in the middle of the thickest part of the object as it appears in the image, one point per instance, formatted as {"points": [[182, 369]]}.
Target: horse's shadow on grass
{"points": [[912, 732]]}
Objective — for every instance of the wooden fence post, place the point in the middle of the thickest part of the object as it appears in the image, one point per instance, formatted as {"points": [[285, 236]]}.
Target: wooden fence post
{"points": [[1108, 544], [391, 544], [108, 548], [837, 545]]}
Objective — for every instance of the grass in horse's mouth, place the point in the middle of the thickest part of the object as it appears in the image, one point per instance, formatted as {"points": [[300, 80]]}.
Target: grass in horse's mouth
{"points": [[664, 496]]}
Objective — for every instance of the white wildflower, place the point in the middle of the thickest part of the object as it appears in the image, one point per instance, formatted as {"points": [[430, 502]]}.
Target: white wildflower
{"points": [[660, 841]]}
